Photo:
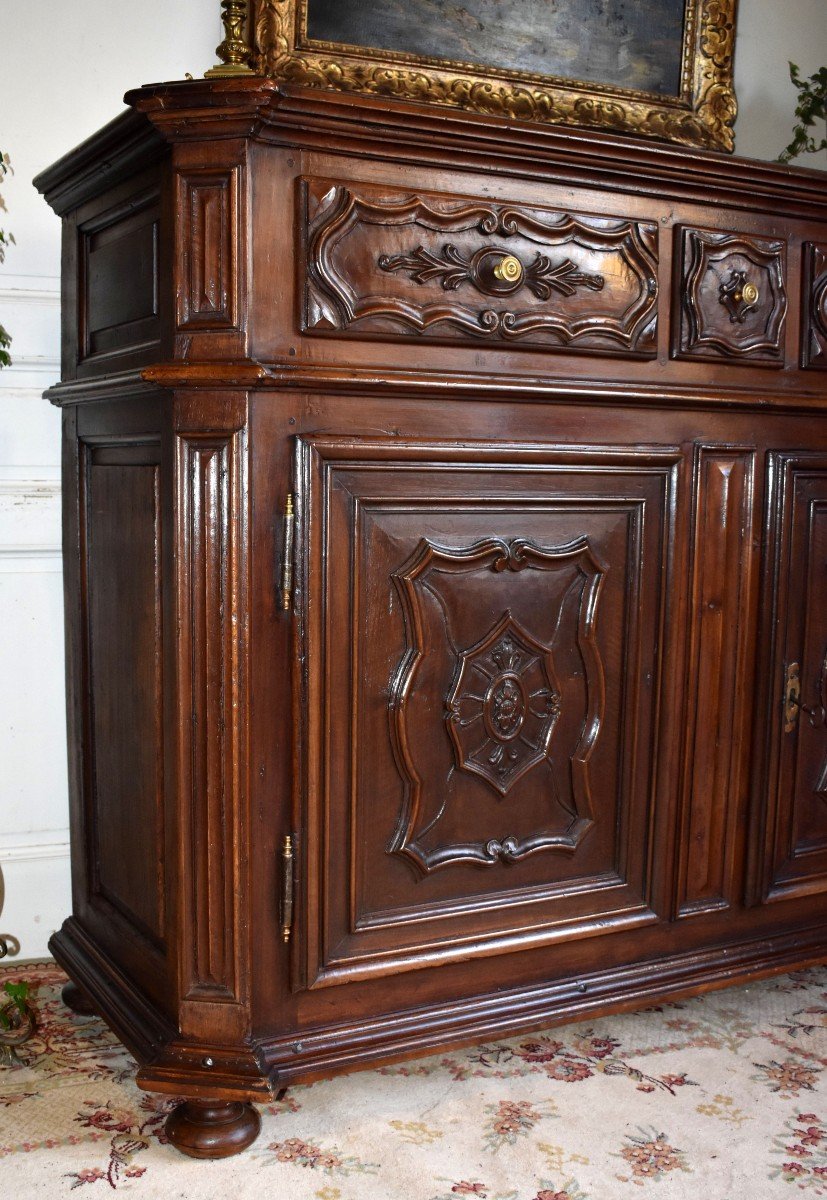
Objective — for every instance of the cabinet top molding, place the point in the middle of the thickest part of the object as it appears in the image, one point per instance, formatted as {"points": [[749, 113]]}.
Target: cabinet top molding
{"points": [[377, 128]]}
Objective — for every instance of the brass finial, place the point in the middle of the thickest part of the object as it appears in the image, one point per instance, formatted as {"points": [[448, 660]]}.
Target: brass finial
{"points": [[233, 51]]}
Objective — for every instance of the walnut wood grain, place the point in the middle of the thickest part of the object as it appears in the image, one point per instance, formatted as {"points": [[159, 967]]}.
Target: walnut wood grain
{"points": [[814, 312], [719, 318], [722, 568], [211, 604], [791, 840], [212, 1128], [209, 204], [379, 260], [561, 832], [592, 529]]}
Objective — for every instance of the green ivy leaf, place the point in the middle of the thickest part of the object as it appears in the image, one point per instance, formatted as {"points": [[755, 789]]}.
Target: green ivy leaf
{"points": [[811, 107]]}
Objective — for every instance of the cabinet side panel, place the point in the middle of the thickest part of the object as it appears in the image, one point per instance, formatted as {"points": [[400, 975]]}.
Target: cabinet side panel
{"points": [[113, 253], [124, 628]]}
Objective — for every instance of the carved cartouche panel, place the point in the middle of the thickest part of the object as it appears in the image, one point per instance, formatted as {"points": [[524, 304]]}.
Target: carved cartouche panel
{"points": [[733, 302], [387, 262], [814, 316], [505, 700]]}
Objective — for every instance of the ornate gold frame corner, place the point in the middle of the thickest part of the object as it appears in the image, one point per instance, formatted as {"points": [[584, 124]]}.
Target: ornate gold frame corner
{"points": [[703, 114]]}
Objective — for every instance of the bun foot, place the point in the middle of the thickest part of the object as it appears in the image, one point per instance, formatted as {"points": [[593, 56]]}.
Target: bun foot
{"points": [[212, 1128], [75, 998]]}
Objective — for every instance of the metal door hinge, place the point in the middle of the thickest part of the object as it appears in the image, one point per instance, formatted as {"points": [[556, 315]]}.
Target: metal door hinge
{"points": [[287, 559], [287, 861], [792, 696]]}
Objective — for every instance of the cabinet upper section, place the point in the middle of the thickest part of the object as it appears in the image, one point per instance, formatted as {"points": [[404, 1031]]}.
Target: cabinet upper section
{"points": [[239, 232]]}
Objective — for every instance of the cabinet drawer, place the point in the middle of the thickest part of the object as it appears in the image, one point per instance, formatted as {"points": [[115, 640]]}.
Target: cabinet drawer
{"points": [[387, 262], [732, 301]]}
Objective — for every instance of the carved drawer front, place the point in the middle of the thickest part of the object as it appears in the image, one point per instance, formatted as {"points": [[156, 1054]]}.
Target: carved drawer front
{"points": [[387, 262], [814, 324], [793, 851], [733, 300], [482, 644]]}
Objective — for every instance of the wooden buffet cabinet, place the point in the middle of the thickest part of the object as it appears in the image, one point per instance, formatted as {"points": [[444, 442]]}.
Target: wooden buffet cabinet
{"points": [[445, 533]]}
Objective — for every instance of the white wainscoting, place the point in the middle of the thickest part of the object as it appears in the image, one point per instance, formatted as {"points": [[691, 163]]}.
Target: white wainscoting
{"points": [[34, 837], [37, 888]]}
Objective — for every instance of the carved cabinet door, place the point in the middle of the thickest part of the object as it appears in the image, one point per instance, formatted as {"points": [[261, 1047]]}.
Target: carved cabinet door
{"points": [[482, 633], [792, 853]]}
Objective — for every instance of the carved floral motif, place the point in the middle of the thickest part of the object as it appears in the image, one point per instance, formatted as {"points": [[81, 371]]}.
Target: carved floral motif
{"points": [[503, 705], [451, 269]]}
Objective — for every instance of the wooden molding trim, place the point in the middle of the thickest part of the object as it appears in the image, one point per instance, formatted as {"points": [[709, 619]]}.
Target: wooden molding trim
{"points": [[211, 609]]}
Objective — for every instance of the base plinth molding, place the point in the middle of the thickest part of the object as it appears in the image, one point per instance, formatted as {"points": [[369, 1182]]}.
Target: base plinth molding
{"points": [[212, 1128]]}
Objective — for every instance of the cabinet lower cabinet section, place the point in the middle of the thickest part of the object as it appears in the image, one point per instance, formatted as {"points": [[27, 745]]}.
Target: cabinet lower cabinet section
{"points": [[446, 640]]}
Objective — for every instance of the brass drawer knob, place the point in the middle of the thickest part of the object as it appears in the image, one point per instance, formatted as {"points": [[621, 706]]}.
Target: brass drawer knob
{"points": [[509, 269], [739, 296]]}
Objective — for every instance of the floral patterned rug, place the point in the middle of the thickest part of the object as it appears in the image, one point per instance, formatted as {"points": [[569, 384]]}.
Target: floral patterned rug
{"points": [[723, 1097]]}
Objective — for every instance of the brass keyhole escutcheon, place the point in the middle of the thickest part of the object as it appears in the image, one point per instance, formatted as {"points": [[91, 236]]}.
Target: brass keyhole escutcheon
{"points": [[509, 269]]}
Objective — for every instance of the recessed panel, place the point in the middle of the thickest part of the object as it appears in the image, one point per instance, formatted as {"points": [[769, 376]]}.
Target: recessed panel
{"points": [[120, 279], [814, 312], [796, 784], [123, 546], [732, 300], [484, 660]]}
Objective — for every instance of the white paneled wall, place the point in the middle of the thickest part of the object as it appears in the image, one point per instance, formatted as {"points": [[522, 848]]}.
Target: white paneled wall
{"points": [[88, 53], [33, 835]]}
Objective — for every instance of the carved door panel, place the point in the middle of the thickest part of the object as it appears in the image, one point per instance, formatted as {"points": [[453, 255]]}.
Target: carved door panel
{"points": [[795, 847], [482, 633]]}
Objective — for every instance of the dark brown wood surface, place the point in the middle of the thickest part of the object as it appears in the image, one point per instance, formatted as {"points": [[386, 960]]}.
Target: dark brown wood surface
{"points": [[542, 708]]}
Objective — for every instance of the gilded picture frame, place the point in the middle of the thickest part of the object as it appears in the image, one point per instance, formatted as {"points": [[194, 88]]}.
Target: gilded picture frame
{"points": [[681, 82]]}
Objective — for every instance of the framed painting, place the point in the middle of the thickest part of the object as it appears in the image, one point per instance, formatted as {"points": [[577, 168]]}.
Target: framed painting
{"points": [[661, 68]]}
